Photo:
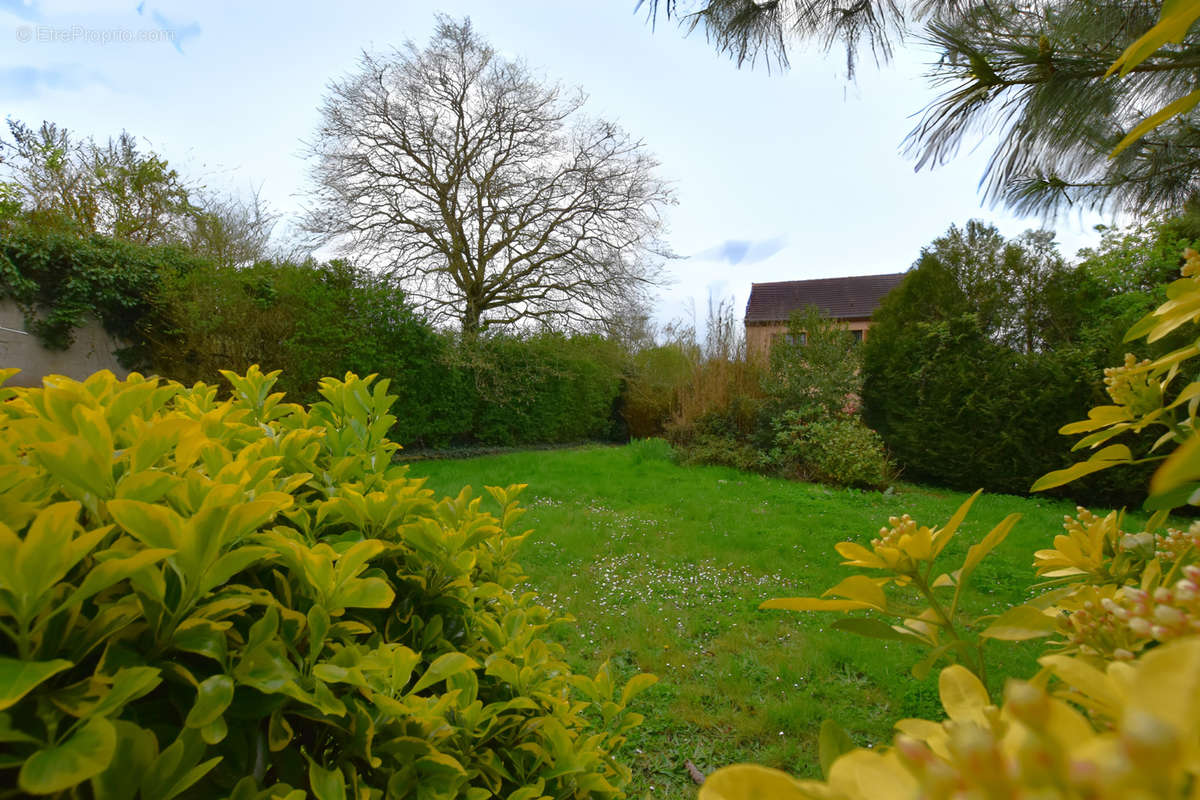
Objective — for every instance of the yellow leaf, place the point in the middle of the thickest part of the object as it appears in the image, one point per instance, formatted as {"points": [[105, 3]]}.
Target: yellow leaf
{"points": [[862, 589], [1085, 679], [814, 604], [945, 579], [1180, 467], [1168, 684], [944, 534], [1098, 417], [933, 734], [858, 556], [1065, 724], [1174, 108], [752, 782], [918, 545], [963, 695], [1173, 23], [1020, 623], [1102, 459], [867, 775], [978, 551]]}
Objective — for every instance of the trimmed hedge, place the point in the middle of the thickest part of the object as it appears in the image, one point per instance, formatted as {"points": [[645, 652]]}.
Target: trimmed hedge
{"points": [[186, 319]]}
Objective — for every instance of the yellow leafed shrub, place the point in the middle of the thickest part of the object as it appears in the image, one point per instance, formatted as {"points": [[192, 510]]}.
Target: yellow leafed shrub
{"points": [[245, 598]]}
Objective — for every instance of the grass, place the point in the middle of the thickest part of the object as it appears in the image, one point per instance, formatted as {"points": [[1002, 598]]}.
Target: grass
{"points": [[664, 567]]}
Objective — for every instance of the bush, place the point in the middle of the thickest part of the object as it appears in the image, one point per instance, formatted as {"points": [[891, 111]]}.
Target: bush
{"points": [[841, 451], [641, 450], [956, 409], [246, 599], [797, 416], [654, 380]]}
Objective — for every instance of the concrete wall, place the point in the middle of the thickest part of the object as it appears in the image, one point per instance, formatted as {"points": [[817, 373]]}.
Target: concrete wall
{"points": [[760, 335], [91, 352]]}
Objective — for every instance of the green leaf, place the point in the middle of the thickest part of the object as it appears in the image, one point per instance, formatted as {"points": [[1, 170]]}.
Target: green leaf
{"points": [[215, 731], [117, 567], [84, 755], [279, 731], [231, 564], [18, 678], [363, 593], [326, 784], [177, 768], [873, 628], [443, 667], [128, 685], [832, 743], [213, 696], [136, 750], [152, 525], [318, 629], [1020, 623]]}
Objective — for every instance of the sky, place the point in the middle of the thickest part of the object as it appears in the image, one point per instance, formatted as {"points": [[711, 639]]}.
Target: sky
{"points": [[778, 176]]}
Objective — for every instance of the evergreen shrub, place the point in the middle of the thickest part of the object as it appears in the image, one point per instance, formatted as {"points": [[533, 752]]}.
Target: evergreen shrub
{"points": [[245, 598]]}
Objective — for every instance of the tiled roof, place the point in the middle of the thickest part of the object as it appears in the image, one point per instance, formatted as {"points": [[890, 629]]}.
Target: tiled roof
{"points": [[841, 298]]}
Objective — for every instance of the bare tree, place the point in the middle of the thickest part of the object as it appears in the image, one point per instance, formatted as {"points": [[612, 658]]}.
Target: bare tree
{"points": [[232, 230], [485, 188]]}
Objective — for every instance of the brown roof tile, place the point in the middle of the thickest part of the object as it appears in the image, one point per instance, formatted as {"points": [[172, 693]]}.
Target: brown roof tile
{"points": [[854, 297]]}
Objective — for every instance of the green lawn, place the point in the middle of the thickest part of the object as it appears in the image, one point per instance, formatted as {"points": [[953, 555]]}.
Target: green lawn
{"points": [[664, 566]]}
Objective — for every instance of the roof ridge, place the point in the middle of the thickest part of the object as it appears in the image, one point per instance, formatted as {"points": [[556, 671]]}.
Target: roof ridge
{"points": [[837, 278]]}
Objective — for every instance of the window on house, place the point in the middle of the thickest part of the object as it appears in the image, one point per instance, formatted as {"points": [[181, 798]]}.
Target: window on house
{"points": [[858, 335], [790, 338]]}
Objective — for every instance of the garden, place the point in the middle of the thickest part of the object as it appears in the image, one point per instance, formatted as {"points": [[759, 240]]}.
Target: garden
{"points": [[476, 526]]}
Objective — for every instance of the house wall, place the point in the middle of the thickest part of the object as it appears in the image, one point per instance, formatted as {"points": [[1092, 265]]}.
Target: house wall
{"points": [[91, 352], [759, 335]]}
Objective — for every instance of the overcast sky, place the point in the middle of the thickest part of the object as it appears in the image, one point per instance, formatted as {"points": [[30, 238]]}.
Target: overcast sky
{"points": [[778, 176]]}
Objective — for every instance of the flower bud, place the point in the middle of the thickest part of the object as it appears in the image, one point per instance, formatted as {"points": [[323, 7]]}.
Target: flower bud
{"points": [[1169, 616], [1139, 544], [1140, 626]]}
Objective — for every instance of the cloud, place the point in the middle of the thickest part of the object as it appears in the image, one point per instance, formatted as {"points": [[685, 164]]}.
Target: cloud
{"points": [[30, 82], [22, 9], [742, 251], [180, 32]]}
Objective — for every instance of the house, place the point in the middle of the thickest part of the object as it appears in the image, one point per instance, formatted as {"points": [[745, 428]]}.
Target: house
{"points": [[849, 300]]}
